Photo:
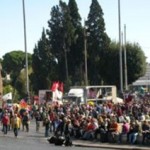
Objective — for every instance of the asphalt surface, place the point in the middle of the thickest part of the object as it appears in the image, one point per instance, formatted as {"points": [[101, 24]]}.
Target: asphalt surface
{"points": [[33, 140]]}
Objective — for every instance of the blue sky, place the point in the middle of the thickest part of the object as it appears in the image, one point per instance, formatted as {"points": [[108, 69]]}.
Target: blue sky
{"points": [[134, 13]]}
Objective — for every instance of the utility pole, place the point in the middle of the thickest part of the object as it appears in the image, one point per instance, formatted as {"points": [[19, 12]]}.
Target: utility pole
{"points": [[85, 55], [26, 54], [66, 61], [125, 61], [120, 49]]}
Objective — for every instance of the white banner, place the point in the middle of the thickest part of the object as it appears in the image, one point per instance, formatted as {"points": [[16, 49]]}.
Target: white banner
{"points": [[7, 96]]}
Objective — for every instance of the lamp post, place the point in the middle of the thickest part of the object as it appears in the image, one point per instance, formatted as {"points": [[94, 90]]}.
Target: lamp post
{"points": [[125, 60], [25, 47], [85, 55], [120, 48]]}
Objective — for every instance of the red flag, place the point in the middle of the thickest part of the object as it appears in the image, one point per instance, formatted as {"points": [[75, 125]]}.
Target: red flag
{"points": [[54, 86], [61, 87], [23, 103]]}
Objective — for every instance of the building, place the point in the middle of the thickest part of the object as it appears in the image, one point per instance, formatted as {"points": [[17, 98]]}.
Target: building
{"points": [[143, 81]]}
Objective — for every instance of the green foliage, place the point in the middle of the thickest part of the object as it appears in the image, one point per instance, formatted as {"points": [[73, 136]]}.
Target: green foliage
{"points": [[7, 89], [59, 54], [43, 63], [75, 55], [61, 31], [1, 60], [98, 43], [74, 14], [13, 63], [136, 63], [111, 71]]}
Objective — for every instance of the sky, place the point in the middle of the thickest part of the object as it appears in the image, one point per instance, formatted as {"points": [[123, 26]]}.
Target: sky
{"points": [[135, 14]]}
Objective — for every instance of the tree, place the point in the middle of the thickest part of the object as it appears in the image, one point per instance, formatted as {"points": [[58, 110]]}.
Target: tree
{"points": [[13, 63], [98, 43], [76, 57], [43, 64], [0, 60], [111, 72], [61, 36], [136, 63]]}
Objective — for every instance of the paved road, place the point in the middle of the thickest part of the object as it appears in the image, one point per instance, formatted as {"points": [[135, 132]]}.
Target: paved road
{"points": [[32, 141]]}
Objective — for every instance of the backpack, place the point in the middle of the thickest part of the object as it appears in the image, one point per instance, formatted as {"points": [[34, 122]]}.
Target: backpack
{"points": [[60, 140], [52, 139], [25, 119]]}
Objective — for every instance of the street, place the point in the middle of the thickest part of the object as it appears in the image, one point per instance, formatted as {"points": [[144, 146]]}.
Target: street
{"points": [[31, 140]]}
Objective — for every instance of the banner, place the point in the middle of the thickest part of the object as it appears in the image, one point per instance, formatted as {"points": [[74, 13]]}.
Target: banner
{"points": [[57, 89], [54, 86], [7, 96]]}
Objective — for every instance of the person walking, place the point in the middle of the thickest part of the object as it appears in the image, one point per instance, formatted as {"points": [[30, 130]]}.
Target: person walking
{"points": [[38, 120], [25, 121], [47, 126], [5, 121], [16, 123]]}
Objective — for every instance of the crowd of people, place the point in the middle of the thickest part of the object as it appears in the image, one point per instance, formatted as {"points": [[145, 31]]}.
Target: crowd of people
{"points": [[105, 121], [14, 120]]}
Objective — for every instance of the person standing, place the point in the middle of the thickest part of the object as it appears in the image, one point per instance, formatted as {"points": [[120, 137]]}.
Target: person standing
{"points": [[25, 121], [5, 121], [47, 126], [38, 120], [16, 122]]}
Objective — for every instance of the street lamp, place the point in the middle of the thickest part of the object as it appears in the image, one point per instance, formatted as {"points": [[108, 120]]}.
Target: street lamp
{"points": [[125, 61], [120, 48], [25, 47], [85, 55]]}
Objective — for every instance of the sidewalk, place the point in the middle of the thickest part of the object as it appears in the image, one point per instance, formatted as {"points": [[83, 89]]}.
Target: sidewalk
{"points": [[95, 144]]}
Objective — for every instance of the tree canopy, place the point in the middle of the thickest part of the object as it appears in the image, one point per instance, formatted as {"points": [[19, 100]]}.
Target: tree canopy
{"points": [[98, 43], [59, 54]]}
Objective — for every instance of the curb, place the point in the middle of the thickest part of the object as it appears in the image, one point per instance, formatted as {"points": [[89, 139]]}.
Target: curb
{"points": [[119, 147]]}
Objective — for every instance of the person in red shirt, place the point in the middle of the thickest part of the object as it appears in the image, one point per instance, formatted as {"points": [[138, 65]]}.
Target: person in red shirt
{"points": [[5, 121], [113, 131], [90, 129]]}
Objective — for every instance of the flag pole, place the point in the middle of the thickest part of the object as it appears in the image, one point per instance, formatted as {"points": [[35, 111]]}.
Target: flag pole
{"points": [[125, 60], [120, 48], [26, 54]]}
